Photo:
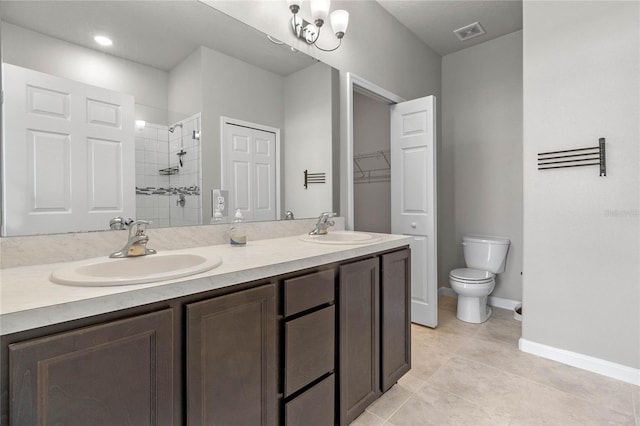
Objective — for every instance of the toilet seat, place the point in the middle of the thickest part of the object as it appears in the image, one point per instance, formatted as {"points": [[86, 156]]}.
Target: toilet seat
{"points": [[471, 276]]}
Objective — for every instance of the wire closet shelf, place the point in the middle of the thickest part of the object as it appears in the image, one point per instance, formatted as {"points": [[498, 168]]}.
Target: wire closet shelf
{"points": [[372, 167]]}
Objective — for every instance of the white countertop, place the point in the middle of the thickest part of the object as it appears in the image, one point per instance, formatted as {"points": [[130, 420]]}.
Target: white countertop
{"points": [[29, 300]]}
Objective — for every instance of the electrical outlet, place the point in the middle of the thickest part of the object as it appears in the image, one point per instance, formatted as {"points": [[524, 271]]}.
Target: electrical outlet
{"points": [[218, 201]]}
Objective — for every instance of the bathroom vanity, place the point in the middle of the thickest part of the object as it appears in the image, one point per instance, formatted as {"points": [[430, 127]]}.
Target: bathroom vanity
{"points": [[283, 332]]}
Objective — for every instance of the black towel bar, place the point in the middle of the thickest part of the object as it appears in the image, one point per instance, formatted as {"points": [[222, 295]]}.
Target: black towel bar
{"points": [[583, 157], [313, 178]]}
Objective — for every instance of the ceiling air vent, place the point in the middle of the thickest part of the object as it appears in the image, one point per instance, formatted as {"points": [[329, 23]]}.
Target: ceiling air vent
{"points": [[469, 31]]}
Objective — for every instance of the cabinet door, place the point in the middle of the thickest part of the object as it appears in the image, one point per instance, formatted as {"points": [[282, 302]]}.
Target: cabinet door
{"points": [[231, 359], [395, 311], [359, 337], [119, 373]]}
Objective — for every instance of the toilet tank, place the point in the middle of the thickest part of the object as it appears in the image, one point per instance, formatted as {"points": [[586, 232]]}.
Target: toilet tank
{"points": [[485, 253]]}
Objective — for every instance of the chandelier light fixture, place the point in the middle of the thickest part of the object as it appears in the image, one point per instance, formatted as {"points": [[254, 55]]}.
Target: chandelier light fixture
{"points": [[310, 32]]}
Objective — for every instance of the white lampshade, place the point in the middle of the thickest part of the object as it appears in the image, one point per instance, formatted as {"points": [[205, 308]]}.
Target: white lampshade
{"points": [[339, 22], [320, 10]]}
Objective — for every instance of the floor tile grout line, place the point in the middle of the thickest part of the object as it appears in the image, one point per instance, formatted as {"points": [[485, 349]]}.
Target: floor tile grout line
{"points": [[543, 385], [508, 326], [531, 380], [413, 393], [374, 415], [388, 419], [475, 403]]}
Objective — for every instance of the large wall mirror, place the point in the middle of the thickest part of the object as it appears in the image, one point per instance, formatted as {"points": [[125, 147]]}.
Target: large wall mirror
{"points": [[188, 111]]}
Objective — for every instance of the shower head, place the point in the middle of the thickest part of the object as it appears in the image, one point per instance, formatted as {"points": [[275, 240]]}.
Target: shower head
{"points": [[173, 128]]}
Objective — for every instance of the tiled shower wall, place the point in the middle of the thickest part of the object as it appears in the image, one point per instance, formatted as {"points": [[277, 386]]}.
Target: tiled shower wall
{"points": [[160, 179]]}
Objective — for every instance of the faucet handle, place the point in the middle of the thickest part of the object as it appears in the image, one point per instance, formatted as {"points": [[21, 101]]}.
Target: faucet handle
{"points": [[138, 227], [327, 215]]}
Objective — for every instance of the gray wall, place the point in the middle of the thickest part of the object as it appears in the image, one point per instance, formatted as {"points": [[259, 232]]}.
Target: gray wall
{"points": [[371, 130], [309, 131], [185, 88], [233, 89], [481, 162], [581, 231]]}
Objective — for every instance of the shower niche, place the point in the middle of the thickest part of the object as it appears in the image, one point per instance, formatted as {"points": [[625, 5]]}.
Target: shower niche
{"points": [[169, 173]]}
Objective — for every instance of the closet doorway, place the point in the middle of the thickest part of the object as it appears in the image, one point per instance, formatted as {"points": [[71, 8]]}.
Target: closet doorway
{"points": [[371, 164], [391, 180]]}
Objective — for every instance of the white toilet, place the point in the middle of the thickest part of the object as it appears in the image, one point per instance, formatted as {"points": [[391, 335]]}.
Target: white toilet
{"points": [[484, 256]]}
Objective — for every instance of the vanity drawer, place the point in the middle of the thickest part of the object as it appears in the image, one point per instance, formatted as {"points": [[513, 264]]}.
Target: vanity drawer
{"points": [[308, 291], [309, 348], [315, 407]]}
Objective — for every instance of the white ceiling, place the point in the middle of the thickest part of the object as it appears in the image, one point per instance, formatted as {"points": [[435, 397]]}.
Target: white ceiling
{"points": [[162, 33], [434, 21], [156, 33]]}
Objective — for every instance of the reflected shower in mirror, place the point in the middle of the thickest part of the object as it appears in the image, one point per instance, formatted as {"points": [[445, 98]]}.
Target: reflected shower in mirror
{"points": [[157, 102]]}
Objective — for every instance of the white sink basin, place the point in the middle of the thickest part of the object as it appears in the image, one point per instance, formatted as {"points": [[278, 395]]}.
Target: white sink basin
{"points": [[341, 237], [134, 270]]}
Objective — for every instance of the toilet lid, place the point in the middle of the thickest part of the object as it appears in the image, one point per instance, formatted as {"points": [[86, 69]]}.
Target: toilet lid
{"points": [[473, 275]]}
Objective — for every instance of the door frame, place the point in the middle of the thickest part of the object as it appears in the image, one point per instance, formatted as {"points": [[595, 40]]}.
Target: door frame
{"points": [[365, 87], [234, 121]]}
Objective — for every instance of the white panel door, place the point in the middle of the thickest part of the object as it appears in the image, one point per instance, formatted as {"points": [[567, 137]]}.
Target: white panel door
{"points": [[413, 199], [249, 171], [69, 160]]}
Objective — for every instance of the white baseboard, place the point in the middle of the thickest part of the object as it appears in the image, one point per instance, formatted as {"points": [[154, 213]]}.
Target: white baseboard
{"points": [[585, 362], [497, 302]]}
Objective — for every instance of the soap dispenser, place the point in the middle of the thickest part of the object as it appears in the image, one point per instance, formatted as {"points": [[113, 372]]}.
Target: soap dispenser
{"points": [[237, 233]]}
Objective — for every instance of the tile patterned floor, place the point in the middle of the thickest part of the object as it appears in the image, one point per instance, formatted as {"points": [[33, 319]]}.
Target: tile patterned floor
{"points": [[474, 374]]}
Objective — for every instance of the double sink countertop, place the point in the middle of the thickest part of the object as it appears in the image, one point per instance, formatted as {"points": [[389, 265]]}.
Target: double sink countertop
{"points": [[29, 300]]}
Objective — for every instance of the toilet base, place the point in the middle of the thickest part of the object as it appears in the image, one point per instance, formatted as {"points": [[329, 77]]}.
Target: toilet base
{"points": [[473, 309]]}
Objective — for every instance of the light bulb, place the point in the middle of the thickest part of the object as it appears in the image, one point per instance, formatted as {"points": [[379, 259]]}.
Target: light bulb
{"points": [[339, 22], [103, 41]]}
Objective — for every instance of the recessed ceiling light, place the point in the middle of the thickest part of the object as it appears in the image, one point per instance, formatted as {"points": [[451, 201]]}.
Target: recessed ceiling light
{"points": [[103, 41]]}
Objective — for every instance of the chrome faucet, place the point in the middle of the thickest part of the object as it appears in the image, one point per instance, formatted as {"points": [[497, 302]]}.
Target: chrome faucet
{"points": [[323, 224], [119, 223], [137, 242]]}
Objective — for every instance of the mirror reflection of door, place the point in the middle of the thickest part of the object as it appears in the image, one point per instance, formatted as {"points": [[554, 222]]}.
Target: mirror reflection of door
{"points": [[68, 159], [250, 156]]}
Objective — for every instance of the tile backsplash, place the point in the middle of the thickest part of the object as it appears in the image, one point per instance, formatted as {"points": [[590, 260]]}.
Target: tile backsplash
{"points": [[41, 249]]}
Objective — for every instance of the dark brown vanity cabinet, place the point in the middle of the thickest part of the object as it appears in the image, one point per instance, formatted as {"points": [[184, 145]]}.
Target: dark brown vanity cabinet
{"points": [[313, 348], [309, 349], [231, 365], [375, 327], [117, 373]]}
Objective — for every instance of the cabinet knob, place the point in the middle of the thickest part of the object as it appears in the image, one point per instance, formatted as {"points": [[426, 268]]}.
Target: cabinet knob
{"points": [[413, 225]]}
